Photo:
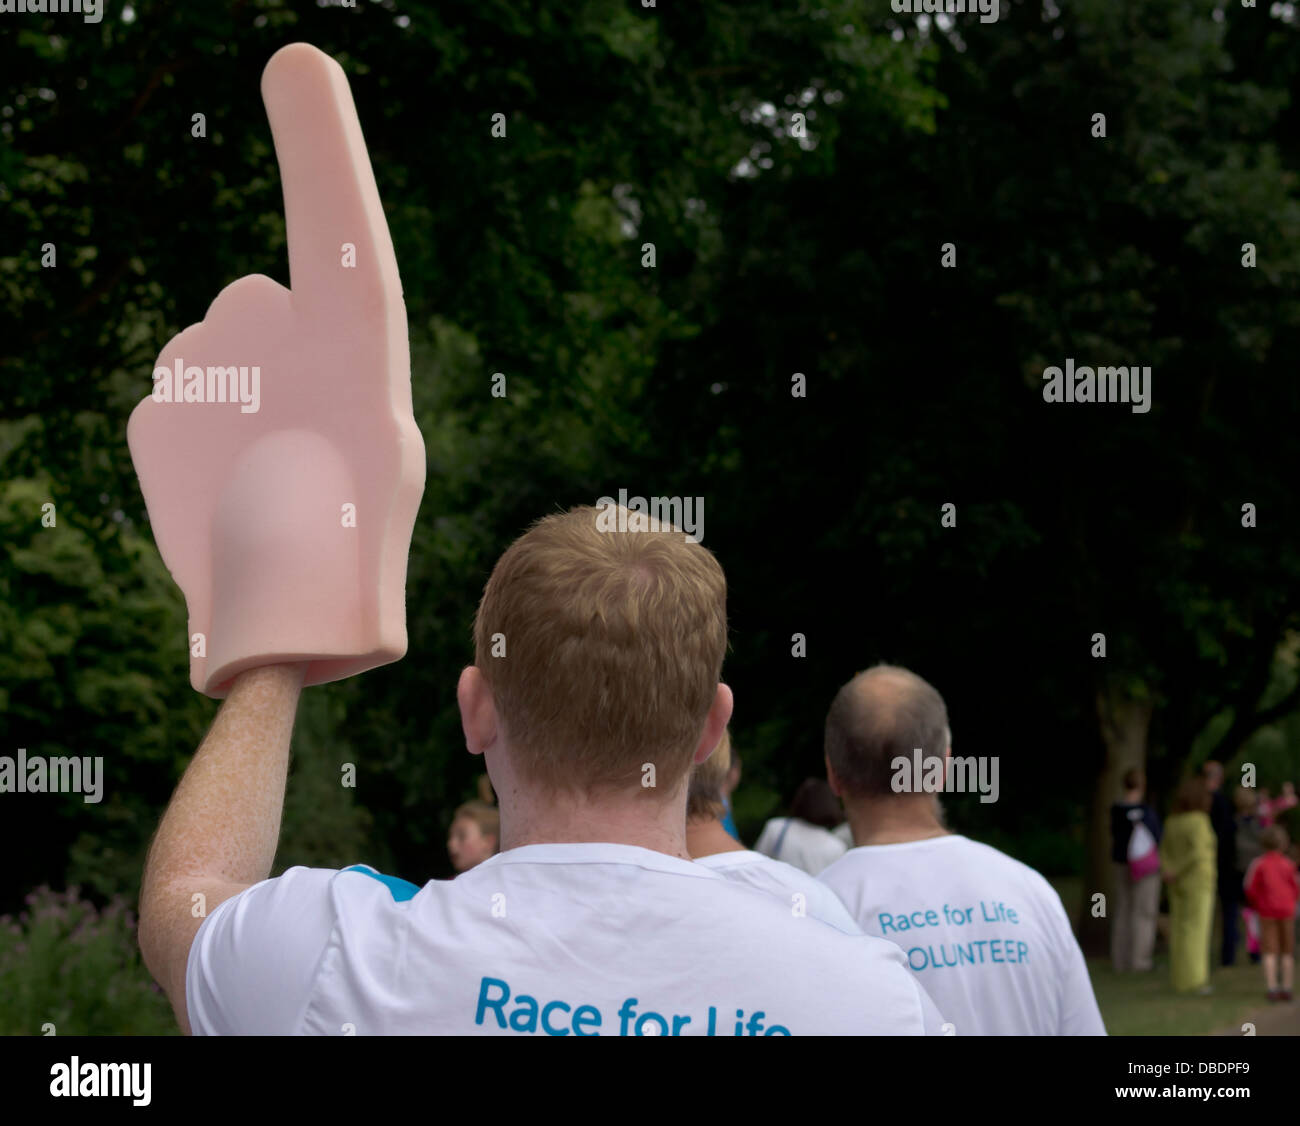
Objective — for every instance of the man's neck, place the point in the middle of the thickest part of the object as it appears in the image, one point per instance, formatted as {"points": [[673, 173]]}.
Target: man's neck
{"points": [[878, 821], [708, 838], [655, 822]]}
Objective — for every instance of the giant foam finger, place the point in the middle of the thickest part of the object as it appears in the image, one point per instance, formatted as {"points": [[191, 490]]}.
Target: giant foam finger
{"points": [[284, 507]]}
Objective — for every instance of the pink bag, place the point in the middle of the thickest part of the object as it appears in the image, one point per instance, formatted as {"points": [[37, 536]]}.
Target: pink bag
{"points": [[1143, 856]]}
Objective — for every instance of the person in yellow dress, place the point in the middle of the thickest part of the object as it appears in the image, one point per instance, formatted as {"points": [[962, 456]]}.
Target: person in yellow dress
{"points": [[1187, 859]]}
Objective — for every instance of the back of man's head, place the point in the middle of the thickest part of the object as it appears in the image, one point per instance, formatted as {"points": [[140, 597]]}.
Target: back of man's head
{"points": [[613, 645], [880, 715]]}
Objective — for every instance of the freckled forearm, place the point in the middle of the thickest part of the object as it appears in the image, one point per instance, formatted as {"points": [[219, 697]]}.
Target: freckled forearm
{"points": [[224, 819]]}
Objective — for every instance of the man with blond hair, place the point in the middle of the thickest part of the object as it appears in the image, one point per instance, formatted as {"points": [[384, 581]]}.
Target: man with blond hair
{"points": [[596, 687]]}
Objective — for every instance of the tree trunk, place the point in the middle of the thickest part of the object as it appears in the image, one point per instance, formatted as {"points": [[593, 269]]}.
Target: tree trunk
{"points": [[1123, 721]]}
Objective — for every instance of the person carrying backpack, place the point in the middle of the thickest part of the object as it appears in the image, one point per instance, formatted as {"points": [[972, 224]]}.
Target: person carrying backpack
{"points": [[1135, 857]]}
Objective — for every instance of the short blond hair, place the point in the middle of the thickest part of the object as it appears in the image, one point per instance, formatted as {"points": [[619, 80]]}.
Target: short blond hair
{"points": [[613, 651], [704, 795]]}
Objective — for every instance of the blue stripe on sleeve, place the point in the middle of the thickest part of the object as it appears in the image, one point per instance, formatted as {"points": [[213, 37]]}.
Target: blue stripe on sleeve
{"points": [[401, 890]]}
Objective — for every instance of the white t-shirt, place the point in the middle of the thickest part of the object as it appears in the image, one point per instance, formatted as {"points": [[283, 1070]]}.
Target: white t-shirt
{"points": [[785, 882], [805, 846], [550, 939], [986, 935]]}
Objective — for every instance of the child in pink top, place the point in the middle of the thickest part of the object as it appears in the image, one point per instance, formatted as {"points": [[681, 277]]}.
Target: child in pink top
{"points": [[1273, 888]]}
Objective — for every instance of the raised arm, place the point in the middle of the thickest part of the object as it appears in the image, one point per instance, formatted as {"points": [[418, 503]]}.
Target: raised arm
{"points": [[219, 833], [288, 525]]}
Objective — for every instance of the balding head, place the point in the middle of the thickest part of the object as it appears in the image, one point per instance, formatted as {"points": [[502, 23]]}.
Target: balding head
{"points": [[880, 715]]}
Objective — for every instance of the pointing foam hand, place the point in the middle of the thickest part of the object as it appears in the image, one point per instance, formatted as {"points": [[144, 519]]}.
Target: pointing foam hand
{"points": [[283, 479]]}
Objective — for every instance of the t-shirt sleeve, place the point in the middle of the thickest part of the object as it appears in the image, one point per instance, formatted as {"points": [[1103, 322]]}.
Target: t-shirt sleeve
{"points": [[1080, 1015], [254, 959]]}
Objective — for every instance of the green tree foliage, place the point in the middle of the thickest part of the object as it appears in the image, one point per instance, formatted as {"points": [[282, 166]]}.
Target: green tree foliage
{"points": [[520, 255], [926, 383], [782, 245]]}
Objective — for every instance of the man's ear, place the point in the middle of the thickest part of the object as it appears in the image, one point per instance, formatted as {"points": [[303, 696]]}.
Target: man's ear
{"points": [[478, 713], [716, 723], [831, 779]]}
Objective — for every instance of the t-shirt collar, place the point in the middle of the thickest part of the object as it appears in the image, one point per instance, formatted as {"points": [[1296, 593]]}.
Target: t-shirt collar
{"points": [[862, 849], [596, 852]]}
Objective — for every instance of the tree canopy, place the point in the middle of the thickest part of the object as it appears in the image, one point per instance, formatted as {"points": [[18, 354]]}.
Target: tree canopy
{"points": [[917, 219]]}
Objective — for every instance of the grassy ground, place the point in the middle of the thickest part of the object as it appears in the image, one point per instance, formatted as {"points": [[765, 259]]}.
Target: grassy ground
{"points": [[1146, 1004]]}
